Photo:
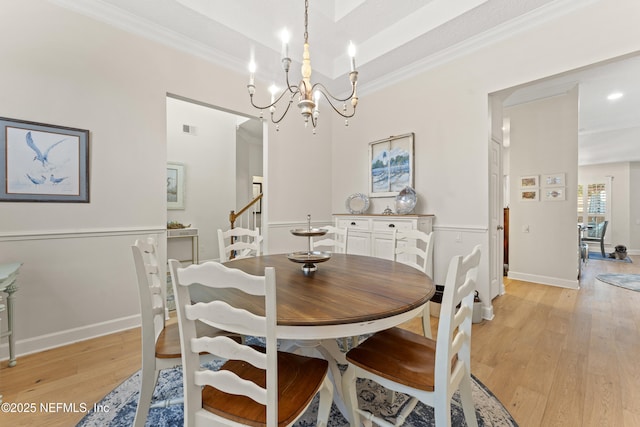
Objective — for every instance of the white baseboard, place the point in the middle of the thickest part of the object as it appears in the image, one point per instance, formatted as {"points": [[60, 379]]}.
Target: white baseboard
{"points": [[487, 312], [545, 280], [70, 336]]}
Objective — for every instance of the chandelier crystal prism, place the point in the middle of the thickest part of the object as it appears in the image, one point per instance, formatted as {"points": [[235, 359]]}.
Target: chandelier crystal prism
{"points": [[309, 95]]}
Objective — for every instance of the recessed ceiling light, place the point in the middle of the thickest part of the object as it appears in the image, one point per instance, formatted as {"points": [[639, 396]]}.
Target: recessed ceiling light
{"points": [[615, 95]]}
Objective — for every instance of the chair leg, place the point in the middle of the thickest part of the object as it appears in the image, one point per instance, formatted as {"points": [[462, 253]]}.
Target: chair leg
{"points": [[442, 411], [326, 398], [426, 321], [602, 249], [148, 379], [350, 396], [466, 398]]}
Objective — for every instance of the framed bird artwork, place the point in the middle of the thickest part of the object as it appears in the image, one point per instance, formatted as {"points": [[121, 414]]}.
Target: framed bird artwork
{"points": [[43, 163]]}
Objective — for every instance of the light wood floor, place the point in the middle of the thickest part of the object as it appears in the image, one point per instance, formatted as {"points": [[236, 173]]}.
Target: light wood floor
{"points": [[554, 357]]}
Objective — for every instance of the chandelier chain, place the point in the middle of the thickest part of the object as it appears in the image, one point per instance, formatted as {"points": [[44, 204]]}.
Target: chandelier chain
{"points": [[306, 21], [308, 93]]}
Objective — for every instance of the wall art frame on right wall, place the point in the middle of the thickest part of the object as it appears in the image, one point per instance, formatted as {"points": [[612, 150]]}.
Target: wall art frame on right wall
{"points": [[529, 195]]}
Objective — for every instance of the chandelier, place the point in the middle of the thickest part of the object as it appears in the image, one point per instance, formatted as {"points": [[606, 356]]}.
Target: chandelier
{"points": [[308, 94]]}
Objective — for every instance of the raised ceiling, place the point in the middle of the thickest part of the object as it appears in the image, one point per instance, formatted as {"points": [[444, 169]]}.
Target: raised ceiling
{"points": [[394, 39]]}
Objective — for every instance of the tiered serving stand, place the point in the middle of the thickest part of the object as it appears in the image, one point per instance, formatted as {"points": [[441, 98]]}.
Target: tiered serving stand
{"points": [[309, 258]]}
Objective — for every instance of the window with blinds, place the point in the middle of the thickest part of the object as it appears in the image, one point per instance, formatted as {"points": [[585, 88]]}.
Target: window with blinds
{"points": [[580, 204], [595, 202]]}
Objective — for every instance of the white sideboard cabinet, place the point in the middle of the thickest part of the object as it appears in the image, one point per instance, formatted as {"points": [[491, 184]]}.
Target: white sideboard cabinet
{"points": [[372, 234]]}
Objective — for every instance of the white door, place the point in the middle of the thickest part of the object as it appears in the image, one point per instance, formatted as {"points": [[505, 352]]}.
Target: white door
{"points": [[496, 219]]}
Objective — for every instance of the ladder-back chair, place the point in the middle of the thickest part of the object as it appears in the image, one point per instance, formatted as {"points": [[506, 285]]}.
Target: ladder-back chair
{"points": [[415, 248], [256, 386], [335, 239], [160, 339], [410, 363], [239, 243]]}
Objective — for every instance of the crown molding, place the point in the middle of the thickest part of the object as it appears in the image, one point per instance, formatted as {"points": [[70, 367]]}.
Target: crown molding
{"points": [[501, 32], [111, 15], [118, 18]]}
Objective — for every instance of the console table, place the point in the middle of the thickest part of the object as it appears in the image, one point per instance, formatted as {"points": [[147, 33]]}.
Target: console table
{"points": [[8, 285], [182, 233]]}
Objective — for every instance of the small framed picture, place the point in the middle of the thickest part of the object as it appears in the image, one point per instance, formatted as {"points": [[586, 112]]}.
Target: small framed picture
{"points": [[553, 180], [175, 186], [555, 194], [529, 195], [530, 181], [43, 163]]}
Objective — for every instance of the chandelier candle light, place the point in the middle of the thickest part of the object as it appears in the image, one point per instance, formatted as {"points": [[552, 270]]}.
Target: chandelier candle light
{"points": [[308, 95]]}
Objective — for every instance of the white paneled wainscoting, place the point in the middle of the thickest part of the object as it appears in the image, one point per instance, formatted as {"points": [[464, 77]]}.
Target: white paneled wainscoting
{"points": [[73, 285]]}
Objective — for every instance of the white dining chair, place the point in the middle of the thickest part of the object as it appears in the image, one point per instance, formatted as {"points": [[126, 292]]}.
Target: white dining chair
{"points": [[256, 386], [160, 340], [239, 243], [415, 248], [334, 241], [413, 364]]}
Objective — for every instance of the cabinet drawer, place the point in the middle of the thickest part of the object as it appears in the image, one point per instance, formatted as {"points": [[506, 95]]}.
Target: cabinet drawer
{"points": [[390, 225], [354, 224]]}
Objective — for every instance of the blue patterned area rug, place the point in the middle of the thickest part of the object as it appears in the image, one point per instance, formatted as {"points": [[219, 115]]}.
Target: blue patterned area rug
{"points": [[122, 402], [598, 256], [627, 281]]}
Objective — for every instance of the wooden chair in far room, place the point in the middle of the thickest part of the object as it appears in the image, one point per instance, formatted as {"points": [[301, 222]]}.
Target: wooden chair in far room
{"points": [[239, 243], [256, 386], [596, 235], [410, 363], [335, 239], [160, 340], [415, 248]]}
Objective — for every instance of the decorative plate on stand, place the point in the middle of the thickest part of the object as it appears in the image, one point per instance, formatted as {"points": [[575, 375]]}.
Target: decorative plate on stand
{"points": [[357, 203]]}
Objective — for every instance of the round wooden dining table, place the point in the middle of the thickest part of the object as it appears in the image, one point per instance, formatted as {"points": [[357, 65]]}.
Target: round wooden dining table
{"points": [[348, 295]]}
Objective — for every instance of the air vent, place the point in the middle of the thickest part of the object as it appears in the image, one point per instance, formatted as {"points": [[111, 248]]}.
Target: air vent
{"points": [[191, 130]]}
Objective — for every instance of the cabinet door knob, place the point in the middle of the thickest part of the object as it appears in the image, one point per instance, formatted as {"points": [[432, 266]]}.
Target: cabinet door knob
{"points": [[500, 227], [353, 223], [392, 225]]}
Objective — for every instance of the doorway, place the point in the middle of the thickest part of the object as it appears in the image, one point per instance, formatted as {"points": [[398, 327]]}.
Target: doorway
{"points": [[220, 153], [603, 139]]}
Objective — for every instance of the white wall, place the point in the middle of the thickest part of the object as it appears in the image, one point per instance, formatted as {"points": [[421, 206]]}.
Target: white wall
{"points": [[209, 157], [249, 154], [298, 179], [66, 69], [544, 140], [70, 70], [447, 108]]}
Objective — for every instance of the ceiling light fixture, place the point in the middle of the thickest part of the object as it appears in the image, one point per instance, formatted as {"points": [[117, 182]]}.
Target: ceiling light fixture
{"points": [[615, 95], [308, 95]]}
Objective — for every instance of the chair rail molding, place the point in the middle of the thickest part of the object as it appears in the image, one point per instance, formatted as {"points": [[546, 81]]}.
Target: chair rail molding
{"points": [[75, 234], [462, 228]]}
